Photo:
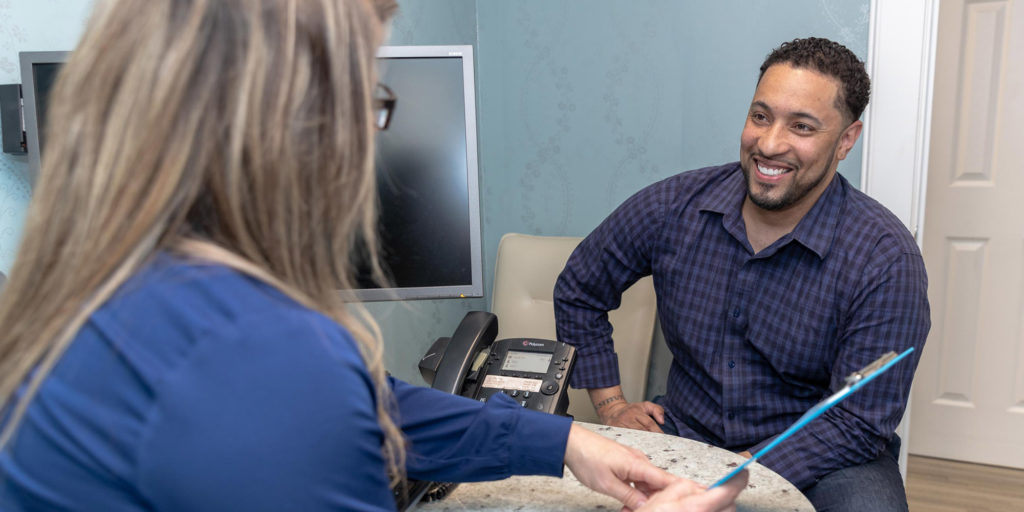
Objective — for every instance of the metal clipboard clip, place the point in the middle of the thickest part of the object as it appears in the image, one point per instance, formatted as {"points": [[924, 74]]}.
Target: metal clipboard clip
{"points": [[853, 382]]}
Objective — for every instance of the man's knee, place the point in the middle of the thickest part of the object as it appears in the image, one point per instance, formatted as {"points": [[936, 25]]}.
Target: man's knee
{"points": [[874, 486]]}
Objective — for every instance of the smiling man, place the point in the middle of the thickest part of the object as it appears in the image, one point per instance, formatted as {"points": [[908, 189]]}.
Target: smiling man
{"points": [[775, 279]]}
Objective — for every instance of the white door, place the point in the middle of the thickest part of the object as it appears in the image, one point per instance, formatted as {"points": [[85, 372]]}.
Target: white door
{"points": [[968, 400]]}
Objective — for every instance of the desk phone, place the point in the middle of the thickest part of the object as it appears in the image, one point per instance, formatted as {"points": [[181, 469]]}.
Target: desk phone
{"points": [[533, 372]]}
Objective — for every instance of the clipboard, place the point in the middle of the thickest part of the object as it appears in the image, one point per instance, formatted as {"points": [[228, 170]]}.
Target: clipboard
{"points": [[854, 382]]}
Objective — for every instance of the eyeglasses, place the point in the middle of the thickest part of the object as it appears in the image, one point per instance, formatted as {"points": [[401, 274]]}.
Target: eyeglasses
{"points": [[384, 101]]}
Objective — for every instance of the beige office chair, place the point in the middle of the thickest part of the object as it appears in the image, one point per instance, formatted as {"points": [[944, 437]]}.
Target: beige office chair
{"points": [[524, 281]]}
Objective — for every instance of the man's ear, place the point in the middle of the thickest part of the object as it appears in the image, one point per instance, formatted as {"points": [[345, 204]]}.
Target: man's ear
{"points": [[848, 139]]}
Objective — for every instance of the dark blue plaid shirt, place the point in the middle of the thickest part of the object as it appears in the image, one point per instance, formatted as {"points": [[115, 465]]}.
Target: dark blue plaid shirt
{"points": [[758, 339]]}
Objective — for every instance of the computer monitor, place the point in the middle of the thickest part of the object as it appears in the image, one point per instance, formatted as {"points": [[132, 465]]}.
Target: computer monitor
{"points": [[38, 73], [426, 168]]}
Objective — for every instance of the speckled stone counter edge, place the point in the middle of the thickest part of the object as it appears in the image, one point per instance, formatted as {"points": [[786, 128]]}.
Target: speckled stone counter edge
{"points": [[697, 461]]}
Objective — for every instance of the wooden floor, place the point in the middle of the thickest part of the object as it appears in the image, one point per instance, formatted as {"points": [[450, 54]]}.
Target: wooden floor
{"points": [[938, 485]]}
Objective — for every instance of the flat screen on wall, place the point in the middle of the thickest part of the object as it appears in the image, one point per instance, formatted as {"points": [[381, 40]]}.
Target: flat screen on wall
{"points": [[38, 73], [426, 168]]}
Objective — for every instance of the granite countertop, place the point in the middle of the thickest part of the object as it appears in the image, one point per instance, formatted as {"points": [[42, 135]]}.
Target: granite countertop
{"points": [[766, 491]]}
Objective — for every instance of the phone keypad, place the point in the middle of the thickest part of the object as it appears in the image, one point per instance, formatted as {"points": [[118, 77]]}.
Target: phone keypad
{"points": [[546, 397]]}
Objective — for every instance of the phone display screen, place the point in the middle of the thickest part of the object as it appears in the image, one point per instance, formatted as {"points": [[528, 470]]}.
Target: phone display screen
{"points": [[519, 361]]}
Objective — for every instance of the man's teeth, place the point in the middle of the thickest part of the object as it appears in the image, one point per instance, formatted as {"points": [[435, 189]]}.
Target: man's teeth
{"points": [[770, 171]]}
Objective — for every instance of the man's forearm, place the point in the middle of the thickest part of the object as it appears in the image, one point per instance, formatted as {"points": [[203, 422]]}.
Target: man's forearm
{"points": [[602, 398], [613, 409]]}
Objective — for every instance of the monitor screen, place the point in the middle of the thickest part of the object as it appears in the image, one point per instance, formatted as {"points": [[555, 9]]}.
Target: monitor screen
{"points": [[426, 168], [427, 175]]}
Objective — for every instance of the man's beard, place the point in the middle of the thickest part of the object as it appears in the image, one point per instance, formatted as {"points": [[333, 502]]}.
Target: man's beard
{"points": [[794, 194]]}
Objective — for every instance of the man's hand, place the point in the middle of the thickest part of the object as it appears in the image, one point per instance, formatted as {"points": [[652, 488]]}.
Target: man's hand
{"points": [[615, 411], [637, 415]]}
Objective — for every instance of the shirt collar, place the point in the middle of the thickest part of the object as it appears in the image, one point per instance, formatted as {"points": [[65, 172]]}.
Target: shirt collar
{"points": [[816, 230]]}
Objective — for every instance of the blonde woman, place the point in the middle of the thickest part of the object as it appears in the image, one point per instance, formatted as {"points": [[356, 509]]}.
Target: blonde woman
{"points": [[172, 337]]}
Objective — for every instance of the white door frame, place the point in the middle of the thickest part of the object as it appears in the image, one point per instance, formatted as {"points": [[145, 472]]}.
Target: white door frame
{"points": [[897, 123]]}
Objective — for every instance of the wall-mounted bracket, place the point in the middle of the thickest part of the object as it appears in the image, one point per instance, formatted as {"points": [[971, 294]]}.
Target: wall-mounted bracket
{"points": [[12, 119]]}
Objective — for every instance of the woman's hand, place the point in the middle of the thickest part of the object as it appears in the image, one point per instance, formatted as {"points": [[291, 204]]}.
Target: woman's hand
{"points": [[625, 474], [690, 496], [613, 469]]}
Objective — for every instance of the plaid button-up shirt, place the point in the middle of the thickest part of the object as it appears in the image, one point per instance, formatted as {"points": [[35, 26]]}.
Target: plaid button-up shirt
{"points": [[758, 339]]}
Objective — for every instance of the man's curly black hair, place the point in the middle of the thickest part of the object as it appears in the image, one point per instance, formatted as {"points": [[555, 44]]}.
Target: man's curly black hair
{"points": [[831, 59]]}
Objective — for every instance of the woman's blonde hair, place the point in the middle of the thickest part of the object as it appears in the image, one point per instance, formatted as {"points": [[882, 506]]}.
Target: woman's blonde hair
{"points": [[235, 131]]}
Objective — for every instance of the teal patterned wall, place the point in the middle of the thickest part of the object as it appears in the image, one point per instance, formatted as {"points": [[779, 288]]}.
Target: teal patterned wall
{"points": [[28, 26], [584, 103], [580, 104]]}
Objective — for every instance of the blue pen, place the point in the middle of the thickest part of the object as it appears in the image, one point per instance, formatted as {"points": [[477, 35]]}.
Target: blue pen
{"points": [[853, 383]]}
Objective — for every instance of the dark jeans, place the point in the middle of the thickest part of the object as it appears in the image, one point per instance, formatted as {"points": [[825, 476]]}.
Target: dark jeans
{"points": [[875, 486]]}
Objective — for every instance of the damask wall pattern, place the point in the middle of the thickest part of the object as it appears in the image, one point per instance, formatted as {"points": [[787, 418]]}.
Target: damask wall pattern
{"points": [[583, 103], [28, 25]]}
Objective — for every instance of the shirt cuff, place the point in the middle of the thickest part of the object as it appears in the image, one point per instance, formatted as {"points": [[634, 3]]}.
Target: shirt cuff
{"points": [[538, 440], [600, 370]]}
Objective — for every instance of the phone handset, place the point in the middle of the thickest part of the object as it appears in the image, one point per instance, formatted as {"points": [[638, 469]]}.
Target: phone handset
{"points": [[450, 363], [534, 372], [450, 366]]}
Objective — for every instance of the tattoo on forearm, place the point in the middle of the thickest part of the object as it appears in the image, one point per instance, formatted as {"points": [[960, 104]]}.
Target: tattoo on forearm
{"points": [[608, 400]]}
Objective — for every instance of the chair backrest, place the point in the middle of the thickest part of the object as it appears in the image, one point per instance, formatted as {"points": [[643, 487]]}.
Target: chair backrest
{"points": [[524, 281]]}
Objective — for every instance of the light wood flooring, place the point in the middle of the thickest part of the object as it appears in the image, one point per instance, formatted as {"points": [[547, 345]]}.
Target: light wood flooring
{"points": [[938, 485]]}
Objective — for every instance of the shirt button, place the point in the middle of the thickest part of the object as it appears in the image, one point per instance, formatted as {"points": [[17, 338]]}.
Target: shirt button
{"points": [[736, 312], [732, 364]]}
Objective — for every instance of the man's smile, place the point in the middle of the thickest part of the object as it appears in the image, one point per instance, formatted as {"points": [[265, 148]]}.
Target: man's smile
{"points": [[771, 170]]}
